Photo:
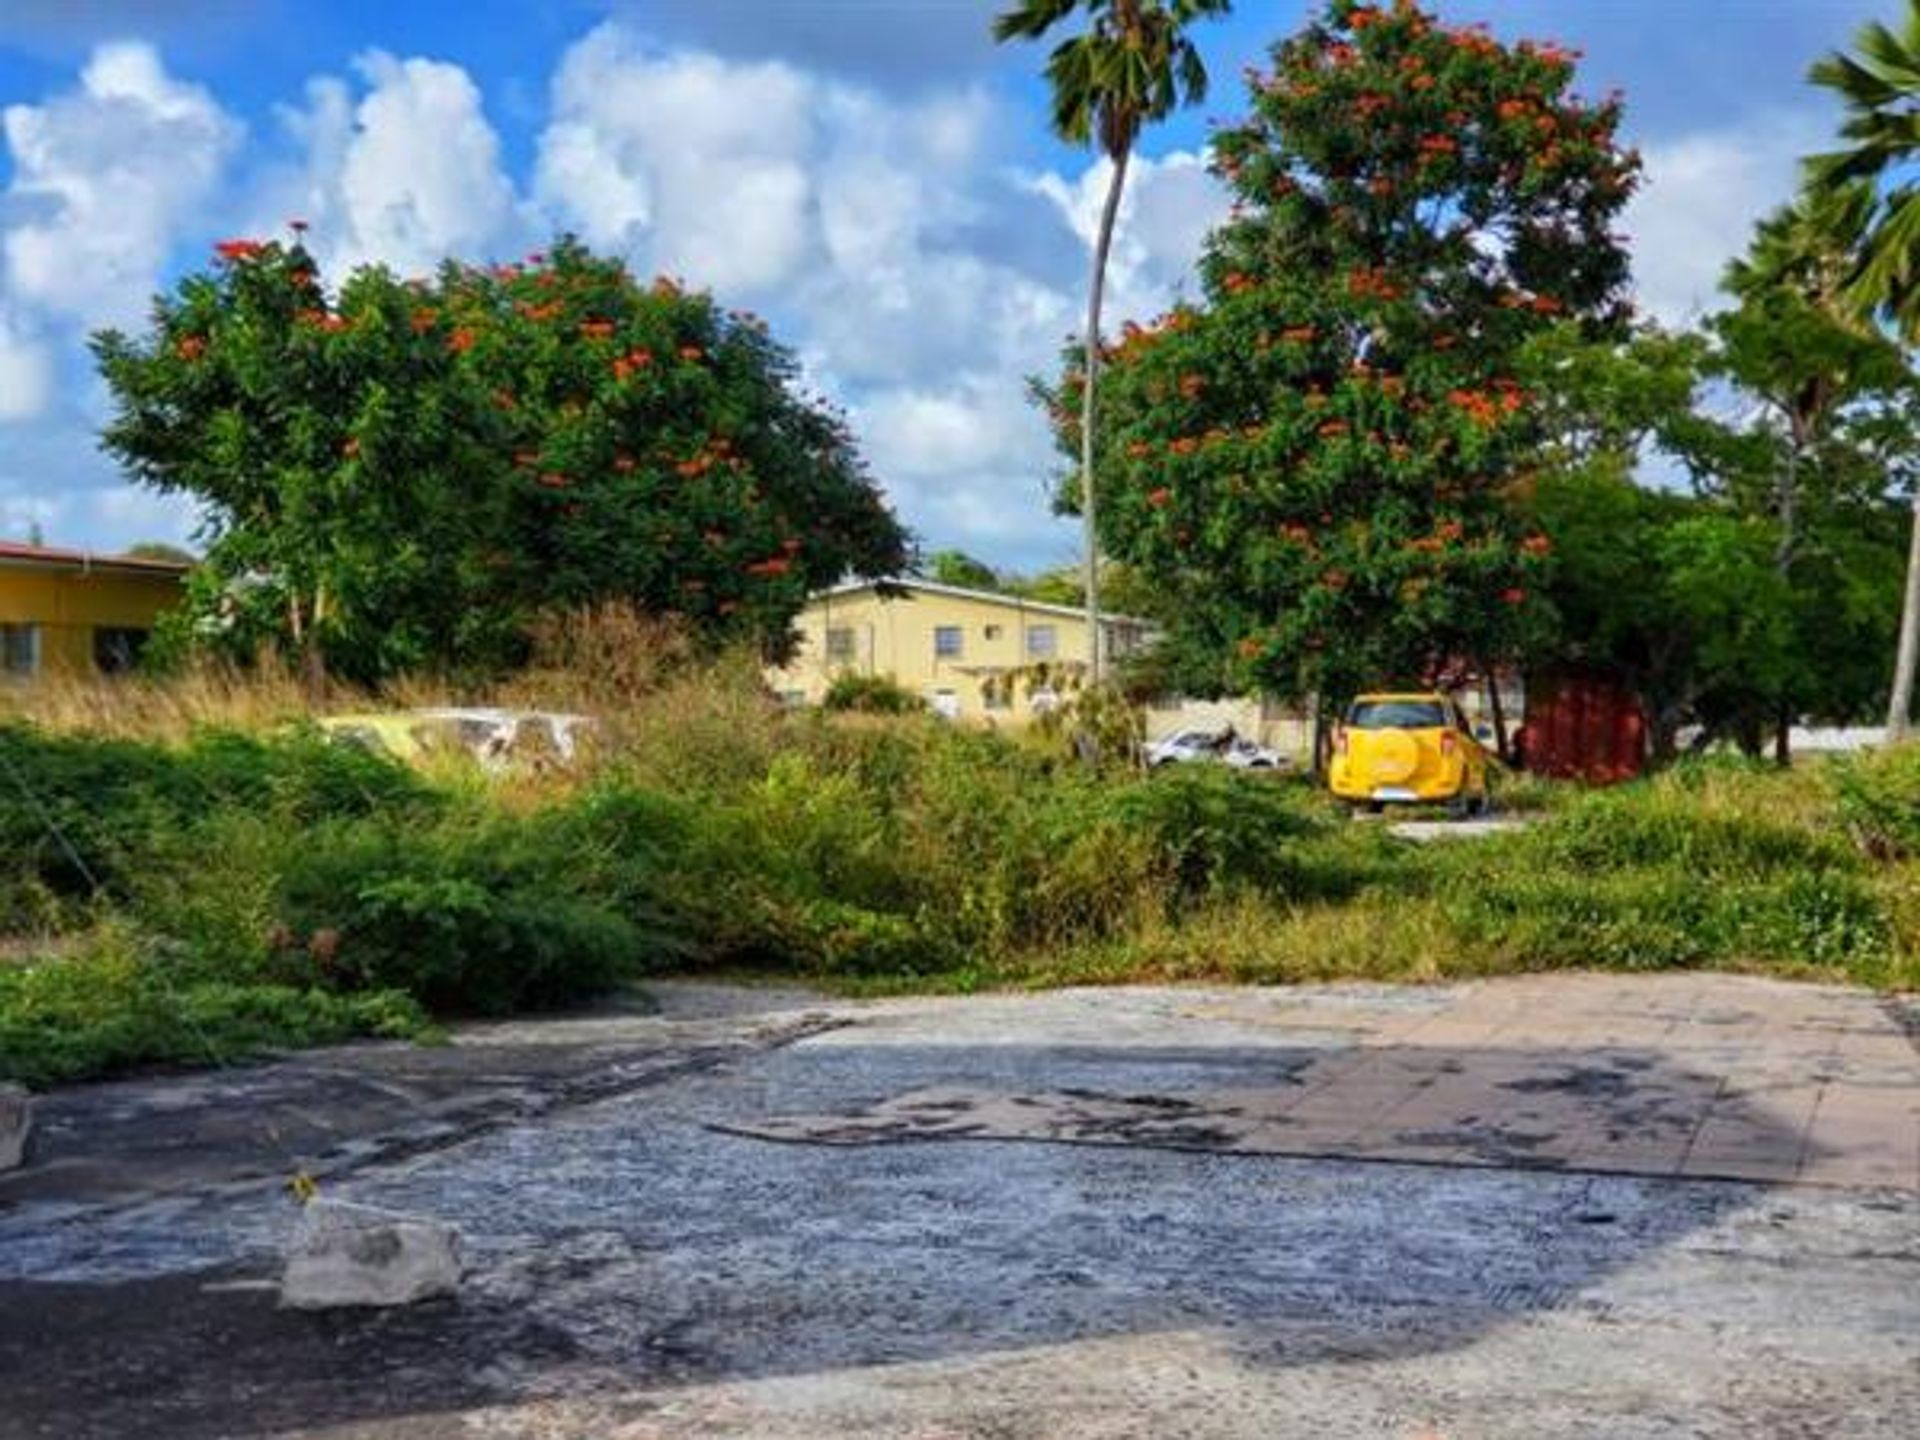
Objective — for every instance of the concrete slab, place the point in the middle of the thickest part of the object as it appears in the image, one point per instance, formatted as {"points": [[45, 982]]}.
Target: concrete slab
{"points": [[1708, 1076], [636, 1268]]}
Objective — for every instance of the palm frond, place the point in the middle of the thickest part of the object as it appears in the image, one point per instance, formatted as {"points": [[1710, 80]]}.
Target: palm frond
{"points": [[1030, 19]]}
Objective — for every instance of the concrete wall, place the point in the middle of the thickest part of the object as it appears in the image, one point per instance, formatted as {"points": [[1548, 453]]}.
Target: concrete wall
{"points": [[896, 636], [69, 605]]}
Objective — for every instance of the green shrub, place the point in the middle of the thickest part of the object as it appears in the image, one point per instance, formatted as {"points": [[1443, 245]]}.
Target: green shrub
{"points": [[78, 811], [1878, 798], [1215, 828], [870, 695], [114, 1006], [1697, 828], [462, 919]]}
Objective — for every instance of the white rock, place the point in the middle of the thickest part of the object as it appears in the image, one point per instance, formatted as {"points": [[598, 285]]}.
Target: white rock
{"points": [[16, 1119], [345, 1254]]}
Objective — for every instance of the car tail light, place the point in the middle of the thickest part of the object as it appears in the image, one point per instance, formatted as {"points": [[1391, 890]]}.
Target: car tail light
{"points": [[1448, 742]]}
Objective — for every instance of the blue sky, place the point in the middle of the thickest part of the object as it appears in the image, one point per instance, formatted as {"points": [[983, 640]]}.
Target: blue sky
{"points": [[875, 175]]}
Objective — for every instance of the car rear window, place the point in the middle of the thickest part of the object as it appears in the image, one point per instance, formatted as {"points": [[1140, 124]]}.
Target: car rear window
{"points": [[1397, 715]]}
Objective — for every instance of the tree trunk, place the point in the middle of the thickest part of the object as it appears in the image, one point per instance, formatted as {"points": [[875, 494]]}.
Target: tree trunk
{"points": [[1499, 714], [1096, 293], [1783, 736], [1899, 710]]}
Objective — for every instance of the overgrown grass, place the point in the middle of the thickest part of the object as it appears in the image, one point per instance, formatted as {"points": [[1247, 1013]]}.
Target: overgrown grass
{"points": [[183, 891]]}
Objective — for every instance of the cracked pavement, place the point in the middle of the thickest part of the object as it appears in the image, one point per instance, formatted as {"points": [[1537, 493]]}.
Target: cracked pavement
{"points": [[1549, 1206]]}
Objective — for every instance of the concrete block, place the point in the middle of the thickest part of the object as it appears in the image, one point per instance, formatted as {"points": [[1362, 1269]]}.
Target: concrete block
{"points": [[344, 1254], [16, 1119]]}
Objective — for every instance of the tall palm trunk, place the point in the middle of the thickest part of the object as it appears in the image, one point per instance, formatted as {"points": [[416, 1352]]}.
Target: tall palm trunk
{"points": [[1096, 293], [1899, 711]]}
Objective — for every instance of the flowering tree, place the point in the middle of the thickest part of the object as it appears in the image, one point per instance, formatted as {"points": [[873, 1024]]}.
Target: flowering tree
{"points": [[1318, 462], [406, 474]]}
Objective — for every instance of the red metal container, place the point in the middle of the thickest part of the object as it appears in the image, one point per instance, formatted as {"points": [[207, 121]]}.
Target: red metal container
{"points": [[1583, 727]]}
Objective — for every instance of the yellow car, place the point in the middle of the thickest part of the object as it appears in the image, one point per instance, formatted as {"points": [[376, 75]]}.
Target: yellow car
{"points": [[1412, 749]]}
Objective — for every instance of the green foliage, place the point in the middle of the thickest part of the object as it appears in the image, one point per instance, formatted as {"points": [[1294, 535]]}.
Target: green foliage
{"points": [[1878, 795], [288, 908], [112, 1006], [1877, 85], [1133, 64], [871, 695], [403, 476], [81, 810], [956, 567], [1317, 464]]}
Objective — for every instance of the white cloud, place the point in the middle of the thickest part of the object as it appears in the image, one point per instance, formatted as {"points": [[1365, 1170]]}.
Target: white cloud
{"points": [[1701, 195], [701, 161], [406, 175], [1166, 211], [26, 372], [105, 178], [886, 238]]}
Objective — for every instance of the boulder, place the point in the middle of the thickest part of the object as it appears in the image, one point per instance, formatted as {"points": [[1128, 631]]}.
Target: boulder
{"points": [[16, 1119], [343, 1254]]}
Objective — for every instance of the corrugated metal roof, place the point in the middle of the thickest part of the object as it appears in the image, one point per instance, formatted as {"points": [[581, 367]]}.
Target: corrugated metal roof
{"points": [[53, 557], [990, 597]]}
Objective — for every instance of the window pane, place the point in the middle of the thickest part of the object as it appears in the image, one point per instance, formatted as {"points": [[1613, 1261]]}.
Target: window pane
{"points": [[19, 649], [1398, 715], [1042, 640], [946, 641], [116, 648], [840, 642]]}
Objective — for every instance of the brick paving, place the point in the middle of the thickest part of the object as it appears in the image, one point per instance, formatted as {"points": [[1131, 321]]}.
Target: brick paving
{"points": [[1700, 1076]]}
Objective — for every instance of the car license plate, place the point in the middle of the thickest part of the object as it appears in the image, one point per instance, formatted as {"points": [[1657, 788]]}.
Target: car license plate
{"points": [[1393, 792]]}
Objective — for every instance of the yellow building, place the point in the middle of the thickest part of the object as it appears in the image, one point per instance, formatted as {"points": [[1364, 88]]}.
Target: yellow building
{"points": [[73, 611], [955, 648]]}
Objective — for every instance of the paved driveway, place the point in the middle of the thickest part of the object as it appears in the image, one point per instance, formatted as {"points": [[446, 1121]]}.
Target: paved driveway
{"points": [[1563, 1206]]}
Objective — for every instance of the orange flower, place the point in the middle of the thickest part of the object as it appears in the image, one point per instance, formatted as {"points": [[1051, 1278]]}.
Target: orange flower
{"points": [[554, 480], [424, 320], [1158, 498], [1191, 386], [623, 463], [597, 329], [461, 341], [1333, 429], [351, 448], [692, 353], [234, 251], [1298, 335], [190, 347], [767, 569], [1513, 595]]}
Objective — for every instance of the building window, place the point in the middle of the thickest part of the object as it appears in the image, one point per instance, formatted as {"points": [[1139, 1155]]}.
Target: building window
{"points": [[1043, 641], [793, 699], [994, 632], [946, 704], [996, 693], [946, 642], [117, 648], [840, 644], [19, 649]]}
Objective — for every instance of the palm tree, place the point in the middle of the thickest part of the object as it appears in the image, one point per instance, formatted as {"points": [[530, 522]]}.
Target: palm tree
{"points": [[1133, 64], [1880, 86]]}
